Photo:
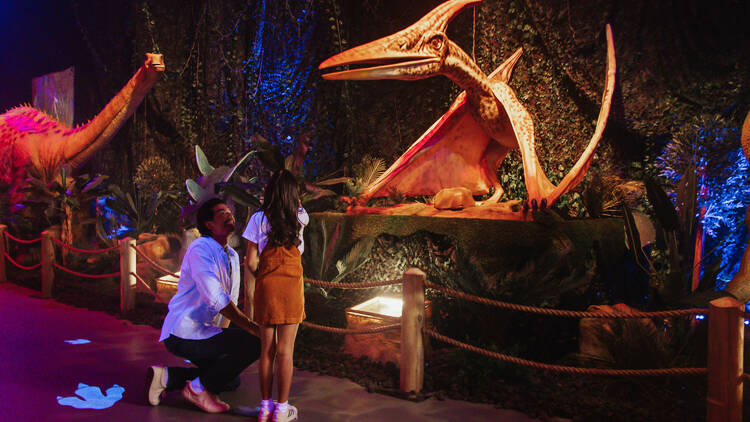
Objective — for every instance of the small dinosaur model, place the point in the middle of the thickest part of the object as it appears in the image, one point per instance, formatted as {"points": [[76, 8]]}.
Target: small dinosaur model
{"points": [[465, 147], [35, 144]]}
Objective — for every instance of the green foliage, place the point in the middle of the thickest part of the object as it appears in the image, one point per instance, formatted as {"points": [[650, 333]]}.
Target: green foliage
{"points": [[63, 201], [363, 174], [142, 212], [270, 156], [328, 254]]}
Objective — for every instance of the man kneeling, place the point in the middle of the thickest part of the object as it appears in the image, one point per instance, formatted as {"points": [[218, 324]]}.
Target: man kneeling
{"points": [[195, 327]]}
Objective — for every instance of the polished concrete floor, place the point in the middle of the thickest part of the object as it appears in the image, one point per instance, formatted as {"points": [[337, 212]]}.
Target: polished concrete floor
{"points": [[38, 366]]}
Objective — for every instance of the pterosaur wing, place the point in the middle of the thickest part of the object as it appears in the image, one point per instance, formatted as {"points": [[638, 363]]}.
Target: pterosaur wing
{"points": [[451, 153]]}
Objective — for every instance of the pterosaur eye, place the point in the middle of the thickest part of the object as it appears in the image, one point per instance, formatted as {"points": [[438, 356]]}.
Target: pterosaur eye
{"points": [[436, 42]]}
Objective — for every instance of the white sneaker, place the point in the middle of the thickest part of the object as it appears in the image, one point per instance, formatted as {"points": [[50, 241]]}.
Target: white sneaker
{"points": [[290, 415], [265, 415]]}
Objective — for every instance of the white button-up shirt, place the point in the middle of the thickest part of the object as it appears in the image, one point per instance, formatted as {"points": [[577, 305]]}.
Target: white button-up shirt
{"points": [[209, 279]]}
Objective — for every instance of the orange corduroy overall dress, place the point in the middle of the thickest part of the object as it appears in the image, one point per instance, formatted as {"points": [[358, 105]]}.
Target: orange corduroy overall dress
{"points": [[279, 291]]}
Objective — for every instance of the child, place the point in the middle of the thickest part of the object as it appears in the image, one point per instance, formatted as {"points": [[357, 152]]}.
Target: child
{"points": [[275, 246]]}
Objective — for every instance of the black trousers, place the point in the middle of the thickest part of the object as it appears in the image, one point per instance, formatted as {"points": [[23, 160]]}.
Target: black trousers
{"points": [[219, 359]]}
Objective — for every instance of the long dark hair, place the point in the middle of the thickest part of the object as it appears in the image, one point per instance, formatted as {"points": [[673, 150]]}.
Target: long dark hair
{"points": [[280, 206]]}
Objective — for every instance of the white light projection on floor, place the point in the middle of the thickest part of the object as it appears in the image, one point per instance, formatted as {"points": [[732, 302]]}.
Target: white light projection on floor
{"points": [[91, 397], [78, 341]]}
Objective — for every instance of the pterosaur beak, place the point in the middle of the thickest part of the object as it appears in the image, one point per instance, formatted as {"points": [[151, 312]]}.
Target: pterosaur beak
{"points": [[388, 54], [397, 56]]}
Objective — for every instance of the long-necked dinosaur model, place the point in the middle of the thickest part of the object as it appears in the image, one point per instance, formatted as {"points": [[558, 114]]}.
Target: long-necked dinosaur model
{"points": [[739, 285], [33, 143], [467, 144]]}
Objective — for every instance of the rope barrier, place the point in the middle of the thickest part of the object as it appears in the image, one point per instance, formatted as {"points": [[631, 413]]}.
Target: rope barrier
{"points": [[148, 289], [745, 377], [351, 285], [566, 369], [23, 267], [564, 313], [351, 331], [85, 275], [38, 239], [152, 263], [92, 251]]}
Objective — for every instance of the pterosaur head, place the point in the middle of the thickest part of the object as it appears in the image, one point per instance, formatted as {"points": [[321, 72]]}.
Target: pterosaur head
{"points": [[413, 53]]}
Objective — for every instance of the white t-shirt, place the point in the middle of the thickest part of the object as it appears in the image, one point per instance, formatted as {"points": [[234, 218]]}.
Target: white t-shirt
{"points": [[258, 227]]}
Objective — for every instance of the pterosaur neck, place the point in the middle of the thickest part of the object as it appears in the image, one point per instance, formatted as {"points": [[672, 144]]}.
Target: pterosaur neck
{"points": [[462, 70]]}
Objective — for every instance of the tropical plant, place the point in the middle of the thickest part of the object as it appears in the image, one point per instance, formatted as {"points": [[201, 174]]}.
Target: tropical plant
{"points": [[270, 156], [61, 200], [606, 192], [137, 213], [328, 257], [364, 173], [697, 166]]}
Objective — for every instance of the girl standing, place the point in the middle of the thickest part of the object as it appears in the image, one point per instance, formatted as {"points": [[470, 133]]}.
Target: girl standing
{"points": [[275, 247]]}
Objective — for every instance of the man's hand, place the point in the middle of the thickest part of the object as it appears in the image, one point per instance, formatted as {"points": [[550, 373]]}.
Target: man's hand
{"points": [[233, 313]]}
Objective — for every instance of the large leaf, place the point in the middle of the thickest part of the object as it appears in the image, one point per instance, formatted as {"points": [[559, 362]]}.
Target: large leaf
{"points": [[333, 181], [95, 183], [203, 164], [239, 166], [687, 202], [329, 245], [355, 258], [239, 195], [319, 193], [268, 153], [634, 239], [196, 192], [663, 207]]}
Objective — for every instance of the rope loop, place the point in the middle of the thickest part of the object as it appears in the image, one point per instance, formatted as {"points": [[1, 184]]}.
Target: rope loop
{"points": [[91, 251], [38, 239], [351, 285], [23, 267], [148, 290], [153, 263], [566, 369], [69, 271], [351, 331], [564, 313]]}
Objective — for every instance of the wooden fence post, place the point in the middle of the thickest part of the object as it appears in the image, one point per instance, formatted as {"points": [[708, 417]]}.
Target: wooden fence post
{"points": [[3, 275], [725, 353], [127, 280], [412, 321], [48, 260]]}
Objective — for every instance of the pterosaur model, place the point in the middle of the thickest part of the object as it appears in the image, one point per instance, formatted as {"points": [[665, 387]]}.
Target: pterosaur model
{"points": [[464, 148]]}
